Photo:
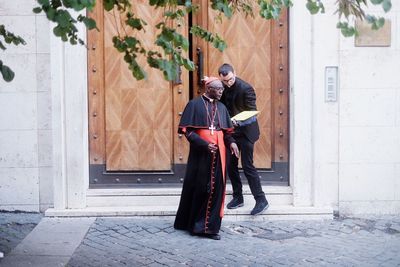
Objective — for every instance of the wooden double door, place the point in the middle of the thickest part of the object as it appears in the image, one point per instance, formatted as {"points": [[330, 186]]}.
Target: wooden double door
{"points": [[133, 137]]}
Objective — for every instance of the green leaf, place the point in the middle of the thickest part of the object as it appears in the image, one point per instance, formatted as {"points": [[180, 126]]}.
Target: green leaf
{"points": [[370, 19], [222, 6], [312, 7], [346, 30], [7, 73], [386, 5], [188, 64], [134, 23], [376, 2], [167, 34], [88, 3], [119, 44], [153, 2], [89, 23], [16, 40], [43, 2], [375, 22], [288, 3], [169, 69], [58, 31], [227, 11], [131, 41], [380, 22], [51, 13], [2, 46], [136, 70], [37, 10], [220, 45], [8, 39], [108, 4], [63, 18], [55, 4]]}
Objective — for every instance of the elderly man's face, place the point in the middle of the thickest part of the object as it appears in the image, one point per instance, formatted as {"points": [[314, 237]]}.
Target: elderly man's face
{"points": [[215, 89]]}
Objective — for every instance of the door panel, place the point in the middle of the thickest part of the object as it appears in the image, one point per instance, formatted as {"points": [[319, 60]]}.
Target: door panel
{"points": [[250, 51], [138, 113]]}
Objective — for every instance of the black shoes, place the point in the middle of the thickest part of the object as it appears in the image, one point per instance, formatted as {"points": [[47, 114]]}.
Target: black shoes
{"points": [[235, 203], [260, 207], [214, 236], [211, 236]]}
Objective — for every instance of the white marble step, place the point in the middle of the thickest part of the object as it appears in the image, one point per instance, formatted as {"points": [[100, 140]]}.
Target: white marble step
{"points": [[145, 197], [283, 212]]}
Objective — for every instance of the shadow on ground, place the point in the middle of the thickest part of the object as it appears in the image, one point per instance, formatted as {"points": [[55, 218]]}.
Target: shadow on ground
{"points": [[14, 227]]}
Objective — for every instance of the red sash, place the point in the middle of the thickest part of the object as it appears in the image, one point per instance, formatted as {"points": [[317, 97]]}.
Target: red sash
{"points": [[218, 139]]}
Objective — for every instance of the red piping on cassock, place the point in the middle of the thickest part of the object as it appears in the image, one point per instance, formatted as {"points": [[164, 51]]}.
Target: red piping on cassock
{"points": [[218, 139]]}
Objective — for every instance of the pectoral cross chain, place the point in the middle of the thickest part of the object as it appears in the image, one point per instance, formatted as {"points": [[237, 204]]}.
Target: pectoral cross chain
{"points": [[210, 118]]}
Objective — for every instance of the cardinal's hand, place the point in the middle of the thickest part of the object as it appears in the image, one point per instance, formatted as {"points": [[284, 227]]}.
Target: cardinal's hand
{"points": [[212, 147]]}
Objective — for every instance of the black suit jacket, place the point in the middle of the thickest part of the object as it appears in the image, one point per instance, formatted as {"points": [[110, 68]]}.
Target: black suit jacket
{"points": [[241, 97]]}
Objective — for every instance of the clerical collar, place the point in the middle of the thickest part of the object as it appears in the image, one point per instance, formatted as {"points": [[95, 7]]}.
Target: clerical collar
{"points": [[209, 99]]}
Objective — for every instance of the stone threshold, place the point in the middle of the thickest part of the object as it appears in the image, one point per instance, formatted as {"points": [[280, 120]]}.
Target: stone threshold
{"points": [[165, 191], [288, 212]]}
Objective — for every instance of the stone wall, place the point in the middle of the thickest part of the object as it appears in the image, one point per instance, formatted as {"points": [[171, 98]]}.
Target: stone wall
{"points": [[25, 112], [344, 154], [369, 137]]}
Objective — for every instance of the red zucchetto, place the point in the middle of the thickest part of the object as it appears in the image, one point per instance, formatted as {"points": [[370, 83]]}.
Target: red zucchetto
{"points": [[208, 80]]}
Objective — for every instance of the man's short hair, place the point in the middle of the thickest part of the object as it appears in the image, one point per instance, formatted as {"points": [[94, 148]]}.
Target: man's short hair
{"points": [[225, 69]]}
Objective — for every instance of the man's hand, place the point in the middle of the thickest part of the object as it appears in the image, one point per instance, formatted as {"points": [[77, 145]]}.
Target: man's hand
{"points": [[235, 123], [235, 149], [212, 147]]}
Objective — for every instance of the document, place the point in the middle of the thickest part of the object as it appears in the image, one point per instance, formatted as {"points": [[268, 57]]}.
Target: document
{"points": [[244, 115]]}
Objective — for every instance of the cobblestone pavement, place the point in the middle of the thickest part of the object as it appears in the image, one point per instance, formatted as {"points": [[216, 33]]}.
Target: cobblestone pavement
{"points": [[154, 242], [14, 227]]}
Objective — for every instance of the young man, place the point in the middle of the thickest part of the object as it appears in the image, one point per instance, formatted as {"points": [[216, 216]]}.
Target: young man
{"points": [[240, 96], [207, 126]]}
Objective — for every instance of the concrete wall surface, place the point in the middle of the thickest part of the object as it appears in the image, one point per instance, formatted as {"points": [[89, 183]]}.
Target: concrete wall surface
{"points": [[26, 180], [369, 123]]}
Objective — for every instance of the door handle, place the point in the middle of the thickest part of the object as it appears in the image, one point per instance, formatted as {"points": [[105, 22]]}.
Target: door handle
{"points": [[178, 79], [200, 66]]}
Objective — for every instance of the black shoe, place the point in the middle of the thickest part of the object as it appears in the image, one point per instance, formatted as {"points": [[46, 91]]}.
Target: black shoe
{"points": [[214, 236], [235, 203], [211, 236], [260, 207]]}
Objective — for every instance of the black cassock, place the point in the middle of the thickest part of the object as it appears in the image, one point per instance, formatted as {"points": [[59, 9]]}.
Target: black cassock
{"points": [[203, 193]]}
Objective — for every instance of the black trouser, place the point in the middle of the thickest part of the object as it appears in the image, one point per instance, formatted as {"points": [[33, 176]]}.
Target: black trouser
{"points": [[246, 149]]}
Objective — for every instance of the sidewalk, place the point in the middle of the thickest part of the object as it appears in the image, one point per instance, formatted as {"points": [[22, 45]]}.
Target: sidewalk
{"points": [[133, 241], [14, 227]]}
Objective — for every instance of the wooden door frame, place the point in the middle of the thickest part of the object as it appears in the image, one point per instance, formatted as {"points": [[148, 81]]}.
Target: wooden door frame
{"points": [[99, 177]]}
